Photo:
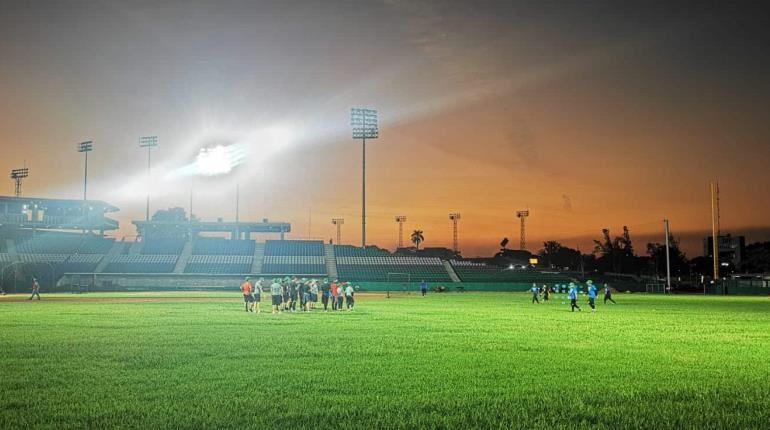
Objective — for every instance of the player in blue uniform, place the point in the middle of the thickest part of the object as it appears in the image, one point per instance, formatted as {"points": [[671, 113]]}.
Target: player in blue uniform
{"points": [[591, 295], [535, 291], [573, 296]]}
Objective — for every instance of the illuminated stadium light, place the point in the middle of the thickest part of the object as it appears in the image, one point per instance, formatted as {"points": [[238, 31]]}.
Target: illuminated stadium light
{"points": [[85, 148], [214, 161], [148, 142], [364, 124], [18, 175]]}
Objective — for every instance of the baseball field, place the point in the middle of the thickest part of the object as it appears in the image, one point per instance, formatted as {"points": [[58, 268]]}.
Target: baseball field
{"points": [[474, 360]]}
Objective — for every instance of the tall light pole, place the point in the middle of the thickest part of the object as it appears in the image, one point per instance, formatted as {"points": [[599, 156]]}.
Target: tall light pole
{"points": [[148, 142], [522, 215], [455, 217], [668, 257], [18, 175], [715, 228], [338, 222], [85, 148], [400, 219], [364, 123]]}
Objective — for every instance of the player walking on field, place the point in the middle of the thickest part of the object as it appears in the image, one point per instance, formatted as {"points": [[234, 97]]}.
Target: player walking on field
{"points": [[608, 294], [591, 295], [276, 293], [573, 296], [35, 289], [246, 290], [535, 291], [423, 288], [546, 293]]}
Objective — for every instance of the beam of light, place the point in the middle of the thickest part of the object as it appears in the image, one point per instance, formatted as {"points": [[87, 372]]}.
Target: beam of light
{"points": [[216, 160], [229, 150]]}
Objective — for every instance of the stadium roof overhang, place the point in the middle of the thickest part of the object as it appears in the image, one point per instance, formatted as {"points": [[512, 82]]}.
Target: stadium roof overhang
{"points": [[45, 203], [56, 214], [216, 226]]}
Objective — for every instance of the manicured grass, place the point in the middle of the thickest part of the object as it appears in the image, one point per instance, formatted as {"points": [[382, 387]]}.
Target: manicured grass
{"points": [[197, 360]]}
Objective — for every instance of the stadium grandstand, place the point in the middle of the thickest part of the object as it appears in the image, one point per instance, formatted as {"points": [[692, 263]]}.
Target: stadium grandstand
{"points": [[63, 243]]}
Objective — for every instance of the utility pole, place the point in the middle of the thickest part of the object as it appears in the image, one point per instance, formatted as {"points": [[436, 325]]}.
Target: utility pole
{"points": [[364, 123], [455, 217], [400, 219], [338, 222], [668, 257], [522, 215], [715, 228]]}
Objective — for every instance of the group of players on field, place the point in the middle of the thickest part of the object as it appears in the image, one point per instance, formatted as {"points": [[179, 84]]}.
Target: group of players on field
{"points": [[572, 293], [286, 293]]}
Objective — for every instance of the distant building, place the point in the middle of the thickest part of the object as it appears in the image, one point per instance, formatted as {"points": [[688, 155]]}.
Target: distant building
{"points": [[731, 249]]}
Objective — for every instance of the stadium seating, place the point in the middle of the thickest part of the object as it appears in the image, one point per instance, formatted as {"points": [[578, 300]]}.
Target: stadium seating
{"points": [[387, 268], [55, 243], [80, 263], [219, 264], [163, 246], [294, 265], [469, 271], [294, 257], [294, 247], [221, 246], [140, 263], [354, 251]]}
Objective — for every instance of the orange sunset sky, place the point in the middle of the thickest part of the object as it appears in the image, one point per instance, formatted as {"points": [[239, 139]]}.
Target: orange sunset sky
{"points": [[591, 115]]}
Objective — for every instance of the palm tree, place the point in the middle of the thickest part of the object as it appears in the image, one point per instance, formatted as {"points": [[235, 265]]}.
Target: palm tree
{"points": [[417, 238]]}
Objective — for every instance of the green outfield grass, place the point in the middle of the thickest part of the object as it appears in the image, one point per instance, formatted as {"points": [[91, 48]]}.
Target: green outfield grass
{"points": [[475, 360]]}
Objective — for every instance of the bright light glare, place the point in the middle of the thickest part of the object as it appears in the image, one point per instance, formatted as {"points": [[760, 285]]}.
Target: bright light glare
{"points": [[214, 161], [278, 137]]}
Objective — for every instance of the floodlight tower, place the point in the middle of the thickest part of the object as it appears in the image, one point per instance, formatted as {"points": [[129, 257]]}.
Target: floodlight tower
{"points": [[18, 175], [148, 142], [338, 222], [522, 215], [364, 123], [400, 219], [85, 148], [455, 217]]}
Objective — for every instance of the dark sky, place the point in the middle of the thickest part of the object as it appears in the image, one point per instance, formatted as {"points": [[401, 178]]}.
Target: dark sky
{"points": [[591, 114]]}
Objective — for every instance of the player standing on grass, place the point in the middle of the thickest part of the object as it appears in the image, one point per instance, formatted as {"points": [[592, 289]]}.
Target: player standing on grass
{"points": [[546, 293], [35, 289], [423, 287], [573, 296], [535, 291], [608, 294], [340, 295], [333, 294], [246, 290], [591, 295], [349, 297], [326, 291], [286, 295], [313, 293], [276, 293], [256, 295]]}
